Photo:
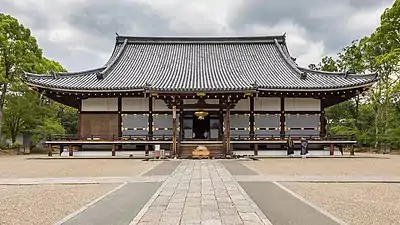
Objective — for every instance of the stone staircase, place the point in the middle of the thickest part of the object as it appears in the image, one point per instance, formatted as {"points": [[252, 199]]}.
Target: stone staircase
{"points": [[216, 150]]}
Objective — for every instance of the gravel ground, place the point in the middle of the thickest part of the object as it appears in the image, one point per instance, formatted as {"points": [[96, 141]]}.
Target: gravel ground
{"points": [[328, 166], [354, 203], [20, 167], [45, 204]]}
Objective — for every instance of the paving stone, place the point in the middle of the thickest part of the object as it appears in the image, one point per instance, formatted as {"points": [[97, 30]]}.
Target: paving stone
{"points": [[249, 216], [202, 192], [211, 222], [168, 220], [231, 219]]}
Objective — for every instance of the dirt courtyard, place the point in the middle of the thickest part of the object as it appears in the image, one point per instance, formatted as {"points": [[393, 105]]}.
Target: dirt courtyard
{"points": [[381, 165], [21, 167]]}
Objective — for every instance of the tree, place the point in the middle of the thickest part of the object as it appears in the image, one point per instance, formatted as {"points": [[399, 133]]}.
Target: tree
{"points": [[18, 52]]}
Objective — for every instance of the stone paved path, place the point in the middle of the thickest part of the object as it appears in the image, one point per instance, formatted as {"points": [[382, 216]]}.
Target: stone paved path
{"points": [[201, 192]]}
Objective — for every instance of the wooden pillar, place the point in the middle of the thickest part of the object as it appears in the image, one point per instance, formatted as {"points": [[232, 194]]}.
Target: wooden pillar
{"points": [[150, 119], [221, 121], [351, 149], [228, 128], [50, 150], [146, 150], [119, 117], [332, 149], [181, 128], [251, 124], [174, 129], [322, 122], [282, 118], [113, 150], [79, 133], [119, 122], [70, 150], [251, 119]]}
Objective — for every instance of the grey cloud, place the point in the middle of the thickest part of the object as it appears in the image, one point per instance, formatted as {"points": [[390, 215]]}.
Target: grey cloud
{"points": [[98, 20], [307, 13]]}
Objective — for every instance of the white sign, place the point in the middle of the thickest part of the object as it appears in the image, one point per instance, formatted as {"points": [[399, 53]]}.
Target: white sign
{"points": [[157, 148]]}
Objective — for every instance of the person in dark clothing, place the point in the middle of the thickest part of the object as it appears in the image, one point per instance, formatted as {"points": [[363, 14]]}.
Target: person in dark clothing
{"points": [[304, 145], [290, 147]]}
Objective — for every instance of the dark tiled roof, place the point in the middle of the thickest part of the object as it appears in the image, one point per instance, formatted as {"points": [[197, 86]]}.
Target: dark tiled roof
{"points": [[187, 64]]}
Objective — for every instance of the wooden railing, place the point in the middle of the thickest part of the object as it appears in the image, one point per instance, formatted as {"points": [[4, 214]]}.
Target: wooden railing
{"points": [[73, 137], [69, 137]]}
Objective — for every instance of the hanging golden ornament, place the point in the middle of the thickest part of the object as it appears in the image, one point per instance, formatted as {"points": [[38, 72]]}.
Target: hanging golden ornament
{"points": [[201, 114]]}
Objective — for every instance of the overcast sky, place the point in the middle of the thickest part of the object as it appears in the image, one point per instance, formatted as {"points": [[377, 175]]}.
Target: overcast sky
{"points": [[80, 34]]}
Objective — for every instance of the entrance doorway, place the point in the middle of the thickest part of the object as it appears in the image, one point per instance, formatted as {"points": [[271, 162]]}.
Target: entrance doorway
{"points": [[201, 127]]}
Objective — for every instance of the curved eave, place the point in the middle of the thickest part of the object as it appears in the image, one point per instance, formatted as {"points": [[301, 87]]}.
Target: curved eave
{"points": [[372, 76], [208, 90], [342, 88], [59, 89]]}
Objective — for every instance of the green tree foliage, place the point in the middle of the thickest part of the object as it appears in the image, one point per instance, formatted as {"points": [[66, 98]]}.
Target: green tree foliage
{"points": [[375, 116], [18, 52], [21, 109]]}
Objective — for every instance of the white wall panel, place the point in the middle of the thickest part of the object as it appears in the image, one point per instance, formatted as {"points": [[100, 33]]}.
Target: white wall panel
{"points": [[159, 105], [243, 105], [100, 104], [302, 104], [135, 104], [267, 104]]}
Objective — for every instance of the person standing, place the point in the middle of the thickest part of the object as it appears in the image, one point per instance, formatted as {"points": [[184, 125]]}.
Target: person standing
{"points": [[304, 145], [290, 147]]}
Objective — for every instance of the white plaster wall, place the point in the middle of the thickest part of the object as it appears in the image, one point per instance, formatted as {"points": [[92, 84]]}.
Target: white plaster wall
{"points": [[189, 101], [243, 105], [100, 104], [135, 104], [302, 104], [159, 105], [267, 104], [212, 101]]}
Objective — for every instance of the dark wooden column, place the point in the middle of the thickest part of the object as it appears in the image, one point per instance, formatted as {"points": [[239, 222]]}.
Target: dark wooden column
{"points": [[221, 120], [150, 119], [149, 125], [322, 120], [282, 118], [228, 127], [119, 117], [251, 119], [174, 129], [251, 123], [119, 121], [181, 130], [79, 118]]}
